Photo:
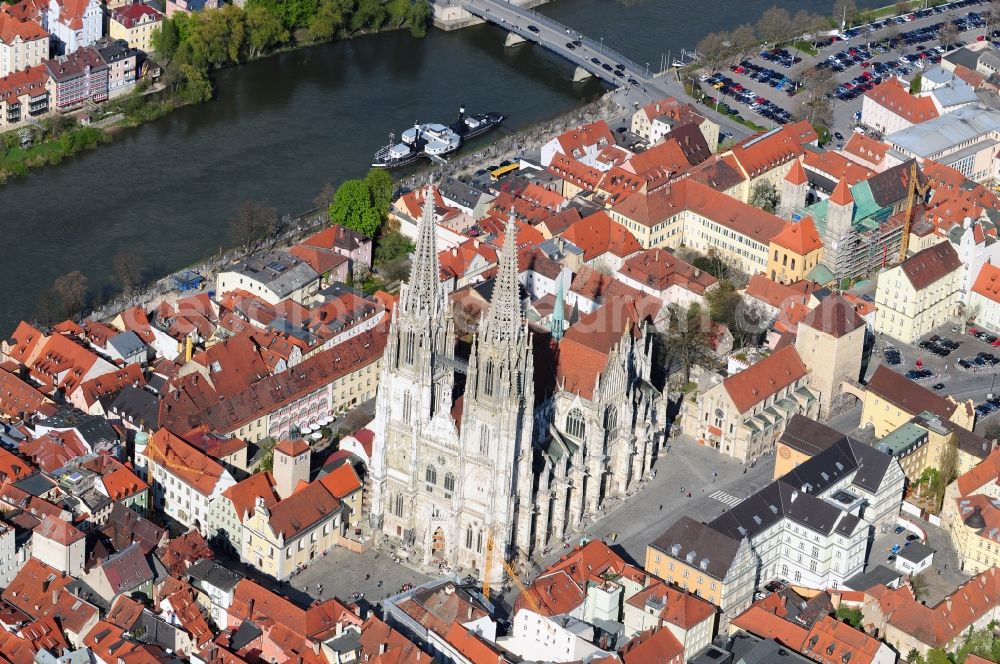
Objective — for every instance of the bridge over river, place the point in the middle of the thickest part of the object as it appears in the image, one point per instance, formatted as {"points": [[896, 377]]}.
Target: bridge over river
{"points": [[591, 57]]}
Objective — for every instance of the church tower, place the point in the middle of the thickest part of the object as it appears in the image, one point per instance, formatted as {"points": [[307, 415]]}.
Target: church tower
{"points": [[794, 188], [415, 384], [497, 417]]}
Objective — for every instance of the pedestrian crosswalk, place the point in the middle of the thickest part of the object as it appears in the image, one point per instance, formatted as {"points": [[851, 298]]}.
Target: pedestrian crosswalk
{"points": [[726, 499]]}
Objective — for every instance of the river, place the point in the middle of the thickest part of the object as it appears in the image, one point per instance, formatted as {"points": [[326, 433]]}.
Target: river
{"points": [[281, 128]]}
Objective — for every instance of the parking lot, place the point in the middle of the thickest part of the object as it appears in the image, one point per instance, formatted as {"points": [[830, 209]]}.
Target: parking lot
{"points": [[762, 88]]}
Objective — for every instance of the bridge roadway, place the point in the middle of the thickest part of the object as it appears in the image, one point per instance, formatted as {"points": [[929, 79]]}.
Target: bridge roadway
{"points": [[554, 36]]}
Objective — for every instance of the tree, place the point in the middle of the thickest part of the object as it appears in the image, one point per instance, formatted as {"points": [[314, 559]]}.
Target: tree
{"points": [[764, 195], [399, 12], [193, 84], [727, 306], [686, 344], [774, 26], [265, 30], [817, 84], [918, 584], [381, 188], [252, 224], [354, 207], [420, 17], [912, 656], [128, 270], [937, 656], [948, 34], [325, 197], [166, 38], [392, 245], [852, 617], [844, 12], [70, 291], [370, 14], [330, 18], [902, 7], [713, 49], [744, 40], [916, 83]]}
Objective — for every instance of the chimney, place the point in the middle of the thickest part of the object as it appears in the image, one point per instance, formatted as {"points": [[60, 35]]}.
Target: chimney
{"points": [[795, 494], [470, 613], [340, 629], [382, 647]]}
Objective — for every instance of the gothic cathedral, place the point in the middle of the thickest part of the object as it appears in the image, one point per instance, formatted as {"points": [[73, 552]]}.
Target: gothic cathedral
{"points": [[466, 449]]}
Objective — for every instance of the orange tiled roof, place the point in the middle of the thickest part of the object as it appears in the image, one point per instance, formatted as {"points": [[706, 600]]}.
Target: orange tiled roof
{"points": [[596, 133], [342, 481], [59, 531], [865, 147], [801, 238], [988, 282], [598, 234], [244, 493], [184, 461], [833, 642], [654, 645], [762, 152], [659, 269], [765, 378], [765, 624], [894, 96]]}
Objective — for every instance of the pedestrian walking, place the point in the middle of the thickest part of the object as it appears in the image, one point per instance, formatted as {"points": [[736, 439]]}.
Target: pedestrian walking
{"points": [[661, 508]]}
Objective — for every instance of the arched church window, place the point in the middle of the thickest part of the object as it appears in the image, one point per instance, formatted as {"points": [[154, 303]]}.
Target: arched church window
{"points": [[449, 482], [468, 538], [407, 407], [610, 421], [399, 504], [431, 475], [479, 542], [484, 439], [488, 376], [574, 423], [411, 342]]}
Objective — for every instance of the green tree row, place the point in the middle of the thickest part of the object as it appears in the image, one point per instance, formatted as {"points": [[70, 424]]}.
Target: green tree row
{"points": [[232, 34]]}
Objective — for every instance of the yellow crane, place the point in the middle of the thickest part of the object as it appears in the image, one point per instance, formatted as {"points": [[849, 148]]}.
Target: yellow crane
{"points": [[914, 189], [488, 566]]}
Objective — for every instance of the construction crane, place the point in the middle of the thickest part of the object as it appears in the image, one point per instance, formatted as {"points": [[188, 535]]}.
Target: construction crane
{"points": [[915, 188], [488, 566]]}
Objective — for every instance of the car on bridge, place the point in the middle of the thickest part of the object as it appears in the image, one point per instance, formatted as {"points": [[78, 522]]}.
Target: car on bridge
{"points": [[533, 28]]}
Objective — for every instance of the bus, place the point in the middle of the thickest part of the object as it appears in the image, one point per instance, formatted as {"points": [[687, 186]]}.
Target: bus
{"points": [[501, 171]]}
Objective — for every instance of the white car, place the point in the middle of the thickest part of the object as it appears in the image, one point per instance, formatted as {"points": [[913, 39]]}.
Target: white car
{"points": [[703, 78]]}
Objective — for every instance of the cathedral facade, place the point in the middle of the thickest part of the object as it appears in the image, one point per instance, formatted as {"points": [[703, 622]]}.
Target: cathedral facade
{"points": [[507, 451]]}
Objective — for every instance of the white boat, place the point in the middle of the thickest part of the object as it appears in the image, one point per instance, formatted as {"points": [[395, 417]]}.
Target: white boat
{"points": [[440, 140]]}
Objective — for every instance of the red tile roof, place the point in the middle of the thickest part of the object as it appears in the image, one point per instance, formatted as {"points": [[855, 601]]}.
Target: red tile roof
{"points": [[894, 96], [59, 531], [988, 282], [659, 269], [676, 607], [796, 174], [184, 461], [765, 378], [18, 399], [801, 238], [864, 147], [907, 395], [342, 481], [244, 493], [132, 15], [765, 624], [842, 194], [654, 646], [596, 133], [473, 648], [598, 234], [834, 316], [302, 510], [572, 171], [761, 153], [11, 29], [931, 264]]}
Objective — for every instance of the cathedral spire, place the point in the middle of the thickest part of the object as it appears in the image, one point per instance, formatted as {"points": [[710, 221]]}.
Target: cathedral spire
{"points": [[506, 319], [558, 314], [423, 291]]}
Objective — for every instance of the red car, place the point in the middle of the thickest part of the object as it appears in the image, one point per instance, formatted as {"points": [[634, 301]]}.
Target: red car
{"points": [[973, 331], [866, 65], [867, 75]]}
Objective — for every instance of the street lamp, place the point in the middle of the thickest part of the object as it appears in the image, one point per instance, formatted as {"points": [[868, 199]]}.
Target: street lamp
{"points": [[602, 45], [647, 70]]}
